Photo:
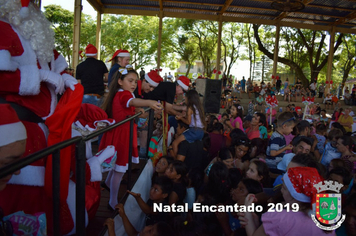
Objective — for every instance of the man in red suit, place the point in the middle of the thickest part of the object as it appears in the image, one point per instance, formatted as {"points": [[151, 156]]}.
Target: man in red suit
{"points": [[31, 77]]}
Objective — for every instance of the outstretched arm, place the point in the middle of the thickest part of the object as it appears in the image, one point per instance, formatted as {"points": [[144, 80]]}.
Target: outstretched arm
{"points": [[129, 229], [144, 207], [137, 102]]}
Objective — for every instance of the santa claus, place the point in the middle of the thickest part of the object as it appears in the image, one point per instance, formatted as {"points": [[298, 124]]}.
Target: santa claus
{"points": [[31, 77]]}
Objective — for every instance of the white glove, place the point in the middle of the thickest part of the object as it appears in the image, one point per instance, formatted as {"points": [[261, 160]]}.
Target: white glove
{"points": [[69, 81], [54, 79]]}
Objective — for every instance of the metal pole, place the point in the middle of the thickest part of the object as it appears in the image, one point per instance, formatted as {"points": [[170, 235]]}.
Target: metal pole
{"points": [[80, 188], [56, 191], [218, 53], [150, 129], [130, 155]]}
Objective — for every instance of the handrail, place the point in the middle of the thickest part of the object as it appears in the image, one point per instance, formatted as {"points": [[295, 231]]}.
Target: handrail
{"points": [[80, 170]]}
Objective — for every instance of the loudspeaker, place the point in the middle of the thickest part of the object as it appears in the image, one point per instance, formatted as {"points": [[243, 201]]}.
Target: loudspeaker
{"points": [[211, 91]]}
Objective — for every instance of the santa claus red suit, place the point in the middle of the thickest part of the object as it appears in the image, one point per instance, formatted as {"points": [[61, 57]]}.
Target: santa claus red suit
{"points": [[31, 77]]}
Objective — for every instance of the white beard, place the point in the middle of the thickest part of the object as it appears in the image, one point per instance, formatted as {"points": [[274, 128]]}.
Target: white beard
{"points": [[36, 28]]}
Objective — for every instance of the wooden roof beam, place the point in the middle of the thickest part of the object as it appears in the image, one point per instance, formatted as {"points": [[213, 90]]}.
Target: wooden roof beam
{"points": [[97, 5], [226, 6]]}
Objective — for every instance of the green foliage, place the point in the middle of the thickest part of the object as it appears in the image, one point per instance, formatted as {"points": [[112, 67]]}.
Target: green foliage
{"points": [[62, 23]]}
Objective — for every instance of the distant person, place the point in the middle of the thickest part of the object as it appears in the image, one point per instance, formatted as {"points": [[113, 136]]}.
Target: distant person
{"points": [[91, 73], [142, 72], [121, 58]]}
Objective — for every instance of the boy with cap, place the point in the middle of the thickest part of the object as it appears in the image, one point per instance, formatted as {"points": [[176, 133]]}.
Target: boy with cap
{"points": [[90, 74]]}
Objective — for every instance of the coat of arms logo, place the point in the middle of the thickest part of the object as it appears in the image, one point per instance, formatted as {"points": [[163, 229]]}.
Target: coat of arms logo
{"points": [[328, 206]]}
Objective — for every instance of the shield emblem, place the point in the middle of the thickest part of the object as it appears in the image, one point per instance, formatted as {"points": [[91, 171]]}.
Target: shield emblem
{"points": [[328, 208]]}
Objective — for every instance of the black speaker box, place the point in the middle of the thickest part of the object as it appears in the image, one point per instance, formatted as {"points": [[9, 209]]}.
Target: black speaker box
{"points": [[211, 91]]}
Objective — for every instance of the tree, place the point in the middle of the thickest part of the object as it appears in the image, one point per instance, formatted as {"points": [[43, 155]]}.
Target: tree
{"points": [[232, 37], [347, 59], [312, 45], [62, 23]]}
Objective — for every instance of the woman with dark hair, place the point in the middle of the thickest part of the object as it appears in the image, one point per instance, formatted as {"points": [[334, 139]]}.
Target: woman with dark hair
{"points": [[258, 149], [346, 146], [337, 125], [258, 170], [241, 147]]}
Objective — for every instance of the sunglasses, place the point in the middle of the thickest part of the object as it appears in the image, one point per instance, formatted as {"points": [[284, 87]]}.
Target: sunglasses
{"points": [[245, 142]]}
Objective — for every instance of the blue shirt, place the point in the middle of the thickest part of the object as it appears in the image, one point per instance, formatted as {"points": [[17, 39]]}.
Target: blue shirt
{"points": [[276, 142], [113, 69]]}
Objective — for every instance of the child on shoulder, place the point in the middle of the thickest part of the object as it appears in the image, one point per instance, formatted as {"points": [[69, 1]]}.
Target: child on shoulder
{"points": [[120, 104], [195, 118]]}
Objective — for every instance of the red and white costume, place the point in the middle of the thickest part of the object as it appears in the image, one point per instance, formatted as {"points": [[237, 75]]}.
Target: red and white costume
{"points": [[120, 136], [34, 85]]}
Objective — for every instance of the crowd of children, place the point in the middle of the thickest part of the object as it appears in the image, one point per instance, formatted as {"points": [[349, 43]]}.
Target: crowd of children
{"points": [[248, 161]]}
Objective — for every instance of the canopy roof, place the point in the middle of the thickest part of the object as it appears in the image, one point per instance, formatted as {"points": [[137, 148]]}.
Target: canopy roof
{"points": [[316, 15]]}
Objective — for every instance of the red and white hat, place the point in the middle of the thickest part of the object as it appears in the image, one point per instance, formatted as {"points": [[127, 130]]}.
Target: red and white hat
{"points": [[184, 82], [90, 50], [300, 183], [90, 115], [153, 78], [24, 11], [11, 128], [120, 53], [298, 109]]}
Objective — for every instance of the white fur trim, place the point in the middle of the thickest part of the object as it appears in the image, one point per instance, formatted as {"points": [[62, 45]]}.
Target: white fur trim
{"points": [[6, 62], [298, 196], [106, 121], [53, 101], [123, 54], [90, 54], [123, 169], [12, 132], [95, 169], [30, 176], [185, 87], [24, 12], [60, 64], [149, 80], [128, 102], [71, 206], [30, 80]]}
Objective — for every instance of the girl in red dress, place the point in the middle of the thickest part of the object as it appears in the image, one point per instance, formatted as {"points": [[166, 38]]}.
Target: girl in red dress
{"points": [[119, 105]]}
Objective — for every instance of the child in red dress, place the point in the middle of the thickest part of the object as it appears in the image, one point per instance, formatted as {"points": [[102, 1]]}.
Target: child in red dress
{"points": [[119, 105]]}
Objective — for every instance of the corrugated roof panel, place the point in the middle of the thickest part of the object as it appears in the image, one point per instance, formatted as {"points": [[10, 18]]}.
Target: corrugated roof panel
{"points": [[191, 6], [204, 1], [189, 11], [130, 2], [252, 11], [252, 3], [242, 15], [335, 3]]}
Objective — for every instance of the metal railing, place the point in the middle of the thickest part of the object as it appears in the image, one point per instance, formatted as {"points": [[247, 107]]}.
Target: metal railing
{"points": [[79, 169]]}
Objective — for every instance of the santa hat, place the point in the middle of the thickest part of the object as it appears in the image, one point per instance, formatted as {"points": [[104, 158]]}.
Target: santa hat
{"points": [[184, 82], [24, 11], [300, 183], [90, 50], [298, 109], [120, 53], [90, 115], [11, 127], [153, 78]]}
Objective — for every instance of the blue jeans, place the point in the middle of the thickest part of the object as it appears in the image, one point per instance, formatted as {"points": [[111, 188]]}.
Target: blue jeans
{"points": [[91, 99]]}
